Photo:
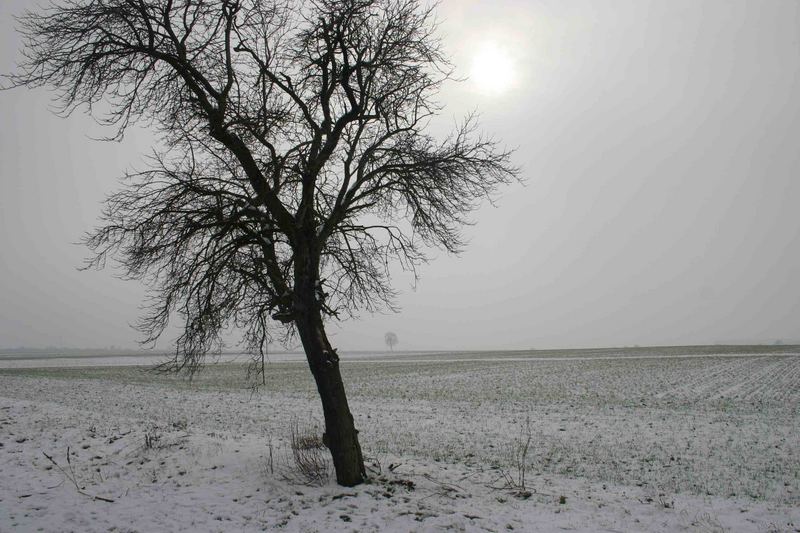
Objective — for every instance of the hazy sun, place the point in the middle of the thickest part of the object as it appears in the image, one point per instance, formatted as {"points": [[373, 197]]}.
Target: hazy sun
{"points": [[492, 69]]}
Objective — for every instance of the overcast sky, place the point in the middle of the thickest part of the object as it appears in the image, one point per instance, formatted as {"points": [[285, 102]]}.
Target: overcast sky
{"points": [[659, 142]]}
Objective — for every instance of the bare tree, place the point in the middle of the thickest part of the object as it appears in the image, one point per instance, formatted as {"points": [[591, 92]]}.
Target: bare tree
{"points": [[391, 339], [294, 168]]}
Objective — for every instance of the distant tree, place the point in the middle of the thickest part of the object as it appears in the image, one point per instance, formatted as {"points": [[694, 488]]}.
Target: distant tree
{"points": [[295, 164], [391, 340]]}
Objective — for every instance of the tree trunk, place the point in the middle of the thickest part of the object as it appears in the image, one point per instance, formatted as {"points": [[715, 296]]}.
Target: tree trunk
{"points": [[341, 436]]}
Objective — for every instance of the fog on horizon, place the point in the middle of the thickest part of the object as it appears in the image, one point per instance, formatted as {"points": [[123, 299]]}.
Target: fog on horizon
{"points": [[659, 146]]}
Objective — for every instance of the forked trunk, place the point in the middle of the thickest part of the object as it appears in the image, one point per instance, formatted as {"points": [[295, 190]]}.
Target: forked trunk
{"points": [[341, 436]]}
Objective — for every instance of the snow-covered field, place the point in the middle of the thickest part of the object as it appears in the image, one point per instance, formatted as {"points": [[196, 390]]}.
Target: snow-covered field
{"points": [[668, 439]]}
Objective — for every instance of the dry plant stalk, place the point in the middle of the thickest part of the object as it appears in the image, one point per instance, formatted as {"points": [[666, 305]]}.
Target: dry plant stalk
{"points": [[520, 451], [70, 475], [308, 453]]}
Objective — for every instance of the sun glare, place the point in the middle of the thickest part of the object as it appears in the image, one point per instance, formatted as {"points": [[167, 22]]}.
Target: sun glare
{"points": [[492, 69]]}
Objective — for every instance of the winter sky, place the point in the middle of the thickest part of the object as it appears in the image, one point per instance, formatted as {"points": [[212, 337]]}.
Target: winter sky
{"points": [[658, 141]]}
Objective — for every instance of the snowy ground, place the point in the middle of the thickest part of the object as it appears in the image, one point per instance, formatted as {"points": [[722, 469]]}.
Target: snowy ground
{"points": [[646, 440]]}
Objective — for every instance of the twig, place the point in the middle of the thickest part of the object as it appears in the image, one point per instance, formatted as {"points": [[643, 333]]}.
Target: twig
{"points": [[517, 485], [71, 476], [451, 487], [444, 488]]}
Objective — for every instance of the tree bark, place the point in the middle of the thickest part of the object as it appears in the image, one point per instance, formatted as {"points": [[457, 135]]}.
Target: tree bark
{"points": [[341, 436]]}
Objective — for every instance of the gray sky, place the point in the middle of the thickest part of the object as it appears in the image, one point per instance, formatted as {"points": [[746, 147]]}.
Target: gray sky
{"points": [[659, 141]]}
